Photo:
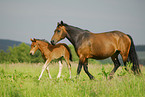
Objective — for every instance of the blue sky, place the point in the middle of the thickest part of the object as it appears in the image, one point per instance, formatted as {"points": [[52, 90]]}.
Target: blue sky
{"points": [[24, 19]]}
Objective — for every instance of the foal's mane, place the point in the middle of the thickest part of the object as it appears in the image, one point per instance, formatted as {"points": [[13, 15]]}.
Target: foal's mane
{"points": [[43, 41]]}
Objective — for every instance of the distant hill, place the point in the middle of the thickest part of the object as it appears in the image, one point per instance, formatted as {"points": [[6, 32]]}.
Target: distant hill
{"points": [[140, 47], [5, 43]]}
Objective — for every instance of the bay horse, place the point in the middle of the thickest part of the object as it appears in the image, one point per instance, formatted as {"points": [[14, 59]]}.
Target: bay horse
{"points": [[98, 46], [50, 52]]}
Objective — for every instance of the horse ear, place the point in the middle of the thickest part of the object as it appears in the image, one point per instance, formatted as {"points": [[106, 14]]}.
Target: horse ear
{"points": [[31, 39], [34, 40], [57, 23], [61, 22]]}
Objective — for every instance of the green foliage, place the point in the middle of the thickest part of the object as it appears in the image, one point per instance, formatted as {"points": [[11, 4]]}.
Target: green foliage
{"points": [[104, 73], [74, 55], [20, 54]]}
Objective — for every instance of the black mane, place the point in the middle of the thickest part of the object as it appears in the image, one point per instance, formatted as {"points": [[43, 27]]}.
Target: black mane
{"points": [[43, 40], [69, 27]]}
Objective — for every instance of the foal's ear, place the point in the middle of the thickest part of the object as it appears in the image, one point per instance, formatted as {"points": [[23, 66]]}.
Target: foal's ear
{"points": [[31, 39], [34, 39], [61, 22], [57, 23]]}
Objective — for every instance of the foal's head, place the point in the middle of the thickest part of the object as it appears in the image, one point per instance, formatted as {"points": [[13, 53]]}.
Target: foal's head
{"points": [[59, 33], [34, 46]]}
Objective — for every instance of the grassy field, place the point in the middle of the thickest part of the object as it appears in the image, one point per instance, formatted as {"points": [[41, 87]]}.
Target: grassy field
{"points": [[20, 80]]}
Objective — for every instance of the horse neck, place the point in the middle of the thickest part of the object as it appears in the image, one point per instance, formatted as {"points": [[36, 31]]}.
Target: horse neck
{"points": [[73, 35], [42, 47]]}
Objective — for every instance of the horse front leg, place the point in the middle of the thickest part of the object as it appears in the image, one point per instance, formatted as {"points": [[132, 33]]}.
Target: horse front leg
{"points": [[86, 69], [79, 68], [43, 68]]}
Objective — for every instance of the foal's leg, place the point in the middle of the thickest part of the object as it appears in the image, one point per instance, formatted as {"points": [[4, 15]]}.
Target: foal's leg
{"points": [[47, 69], [43, 68], [116, 65], [69, 66], [86, 69], [60, 68]]}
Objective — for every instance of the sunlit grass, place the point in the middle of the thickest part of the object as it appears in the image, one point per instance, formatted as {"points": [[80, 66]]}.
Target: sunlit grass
{"points": [[22, 80]]}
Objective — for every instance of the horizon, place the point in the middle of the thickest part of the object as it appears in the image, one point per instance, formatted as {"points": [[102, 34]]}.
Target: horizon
{"points": [[49, 41]]}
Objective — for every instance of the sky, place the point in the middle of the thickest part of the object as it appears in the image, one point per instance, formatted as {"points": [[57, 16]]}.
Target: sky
{"points": [[21, 20]]}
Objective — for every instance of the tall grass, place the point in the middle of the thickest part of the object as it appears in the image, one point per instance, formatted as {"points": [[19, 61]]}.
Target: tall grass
{"points": [[20, 80]]}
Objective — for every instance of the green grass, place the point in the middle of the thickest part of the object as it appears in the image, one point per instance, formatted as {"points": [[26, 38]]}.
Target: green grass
{"points": [[20, 80]]}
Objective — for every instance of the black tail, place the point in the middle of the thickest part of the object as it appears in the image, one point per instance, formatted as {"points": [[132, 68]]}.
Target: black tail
{"points": [[133, 57], [70, 55]]}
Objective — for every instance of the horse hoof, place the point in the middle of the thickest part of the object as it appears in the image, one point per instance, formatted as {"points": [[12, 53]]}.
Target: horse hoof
{"points": [[92, 78]]}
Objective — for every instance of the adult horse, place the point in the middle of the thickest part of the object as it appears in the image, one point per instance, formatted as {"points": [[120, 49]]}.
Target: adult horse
{"points": [[50, 52], [98, 46]]}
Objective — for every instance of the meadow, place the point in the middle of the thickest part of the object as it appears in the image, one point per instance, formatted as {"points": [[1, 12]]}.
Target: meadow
{"points": [[21, 80]]}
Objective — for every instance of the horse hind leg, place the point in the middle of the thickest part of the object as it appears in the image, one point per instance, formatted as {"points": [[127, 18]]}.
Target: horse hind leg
{"points": [[60, 69], [116, 64], [125, 59], [69, 65], [125, 63], [47, 69]]}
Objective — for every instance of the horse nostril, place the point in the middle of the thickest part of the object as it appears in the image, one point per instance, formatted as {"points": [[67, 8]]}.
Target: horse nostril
{"points": [[52, 42], [30, 53]]}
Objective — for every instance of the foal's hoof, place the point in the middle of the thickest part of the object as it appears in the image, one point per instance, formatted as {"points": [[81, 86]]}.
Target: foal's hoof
{"points": [[110, 77], [77, 77]]}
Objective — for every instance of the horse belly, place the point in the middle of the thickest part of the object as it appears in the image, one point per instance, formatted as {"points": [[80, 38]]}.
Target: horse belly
{"points": [[103, 50]]}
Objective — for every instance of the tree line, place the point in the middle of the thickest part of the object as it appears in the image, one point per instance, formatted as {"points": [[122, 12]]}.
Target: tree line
{"points": [[20, 54]]}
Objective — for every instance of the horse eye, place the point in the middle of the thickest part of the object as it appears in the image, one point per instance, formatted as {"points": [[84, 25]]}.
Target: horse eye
{"points": [[34, 45], [58, 30]]}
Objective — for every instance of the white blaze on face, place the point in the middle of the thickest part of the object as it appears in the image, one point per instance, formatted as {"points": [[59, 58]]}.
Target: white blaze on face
{"points": [[32, 52]]}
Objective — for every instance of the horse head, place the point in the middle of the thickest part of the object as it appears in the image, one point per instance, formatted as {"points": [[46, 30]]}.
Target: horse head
{"points": [[59, 33], [34, 46]]}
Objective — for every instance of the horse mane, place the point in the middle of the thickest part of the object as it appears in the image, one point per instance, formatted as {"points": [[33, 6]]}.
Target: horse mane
{"points": [[43, 41], [74, 28]]}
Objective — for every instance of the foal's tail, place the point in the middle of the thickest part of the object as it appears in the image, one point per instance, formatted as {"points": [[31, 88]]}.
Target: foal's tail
{"points": [[133, 57], [70, 55]]}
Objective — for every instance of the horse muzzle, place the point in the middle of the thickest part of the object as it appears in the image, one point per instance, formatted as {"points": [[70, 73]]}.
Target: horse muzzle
{"points": [[31, 53], [53, 42]]}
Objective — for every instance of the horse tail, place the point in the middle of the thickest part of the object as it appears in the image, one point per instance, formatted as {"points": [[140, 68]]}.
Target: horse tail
{"points": [[70, 55], [133, 57]]}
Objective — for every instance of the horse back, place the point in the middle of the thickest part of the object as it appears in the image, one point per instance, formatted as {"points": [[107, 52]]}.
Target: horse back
{"points": [[103, 45], [61, 49]]}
